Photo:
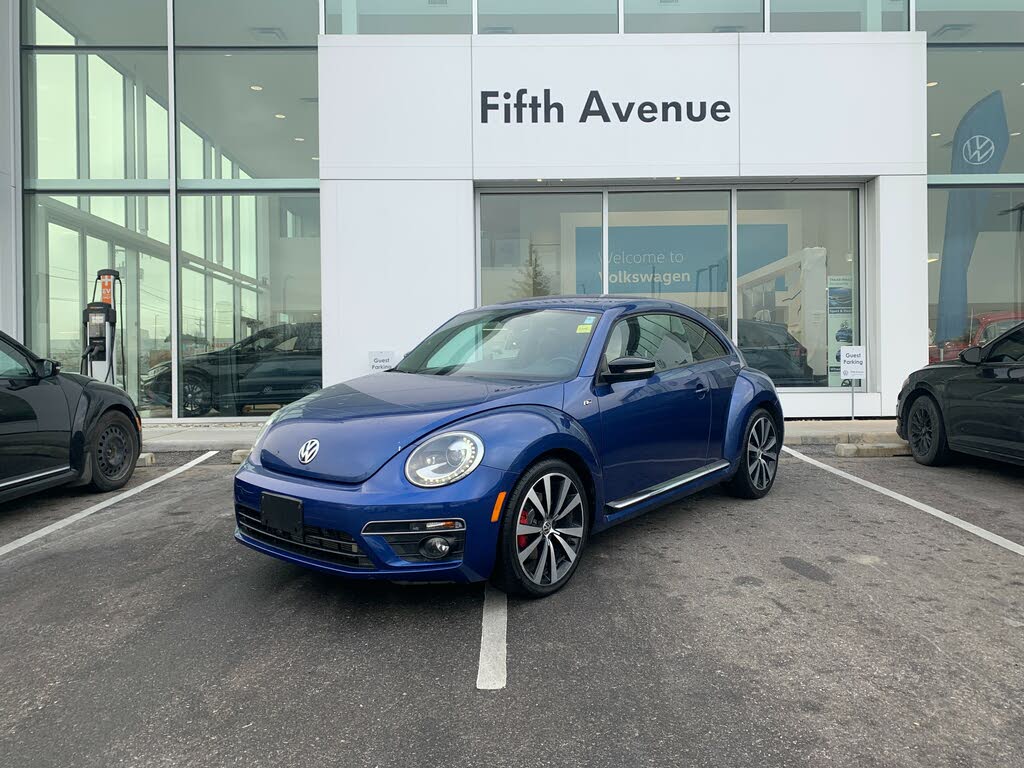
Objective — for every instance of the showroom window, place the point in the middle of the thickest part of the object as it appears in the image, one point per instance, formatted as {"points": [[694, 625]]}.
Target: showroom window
{"points": [[529, 17], [671, 245], [539, 245], [396, 17], [104, 188], [693, 16], [794, 275], [971, 21], [840, 15], [975, 109], [797, 280], [67, 240], [975, 266]]}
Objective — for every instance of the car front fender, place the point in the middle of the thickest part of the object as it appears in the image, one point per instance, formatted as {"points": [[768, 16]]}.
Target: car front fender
{"points": [[751, 391]]}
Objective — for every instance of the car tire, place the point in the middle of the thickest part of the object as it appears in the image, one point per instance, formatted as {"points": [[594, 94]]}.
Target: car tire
{"points": [[926, 433], [531, 534], [113, 451], [196, 396], [759, 457]]}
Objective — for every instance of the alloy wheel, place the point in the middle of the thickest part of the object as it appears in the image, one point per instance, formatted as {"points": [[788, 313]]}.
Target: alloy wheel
{"points": [[195, 397], [922, 431], [113, 452], [762, 453], [549, 531]]}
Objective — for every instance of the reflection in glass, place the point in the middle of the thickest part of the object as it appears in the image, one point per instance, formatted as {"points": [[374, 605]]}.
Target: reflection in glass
{"points": [[247, 114], [977, 92], [238, 23], [394, 17], [971, 21], [117, 99], [68, 239], [250, 304], [975, 266], [840, 16], [693, 16], [555, 16], [539, 245], [87, 22], [797, 256], [671, 245]]}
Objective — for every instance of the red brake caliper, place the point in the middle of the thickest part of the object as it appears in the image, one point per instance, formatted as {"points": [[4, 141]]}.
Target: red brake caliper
{"points": [[521, 539]]}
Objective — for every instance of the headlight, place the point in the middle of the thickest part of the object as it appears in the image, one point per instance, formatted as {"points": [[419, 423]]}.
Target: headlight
{"points": [[263, 430], [444, 459]]}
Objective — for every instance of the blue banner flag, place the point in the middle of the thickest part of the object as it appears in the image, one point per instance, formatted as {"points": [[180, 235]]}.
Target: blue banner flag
{"points": [[979, 146]]}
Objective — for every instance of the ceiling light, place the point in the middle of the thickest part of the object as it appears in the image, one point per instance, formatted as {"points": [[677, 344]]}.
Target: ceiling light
{"points": [[933, 259], [933, 83], [936, 135], [679, 178], [540, 181], [279, 116], [314, 157], [299, 138], [255, 87], [227, 55], [1015, 133]]}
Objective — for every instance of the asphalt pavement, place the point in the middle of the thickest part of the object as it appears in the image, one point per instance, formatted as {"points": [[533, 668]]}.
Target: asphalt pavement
{"points": [[827, 625]]}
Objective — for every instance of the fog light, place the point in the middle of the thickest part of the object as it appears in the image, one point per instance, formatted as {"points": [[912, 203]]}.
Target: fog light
{"points": [[435, 547]]}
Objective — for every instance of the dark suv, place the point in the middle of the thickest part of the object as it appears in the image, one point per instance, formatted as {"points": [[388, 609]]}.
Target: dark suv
{"points": [[273, 366]]}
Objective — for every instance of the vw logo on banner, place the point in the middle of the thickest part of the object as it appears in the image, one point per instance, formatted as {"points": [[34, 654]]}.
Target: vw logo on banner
{"points": [[978, 150], [309, 450]]}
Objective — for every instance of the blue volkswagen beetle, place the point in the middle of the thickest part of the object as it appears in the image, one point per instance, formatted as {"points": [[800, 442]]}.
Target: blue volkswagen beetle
{"points": [[505, 439]]}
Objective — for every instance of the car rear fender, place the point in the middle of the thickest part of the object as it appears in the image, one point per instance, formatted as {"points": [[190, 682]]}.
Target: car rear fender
{"points": [[752, 390]]}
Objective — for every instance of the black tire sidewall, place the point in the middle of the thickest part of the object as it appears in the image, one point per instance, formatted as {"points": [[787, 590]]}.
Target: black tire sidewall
{"points": [[936, 454], [205, 384], [742, 484], [508, 571], [98, 480]]}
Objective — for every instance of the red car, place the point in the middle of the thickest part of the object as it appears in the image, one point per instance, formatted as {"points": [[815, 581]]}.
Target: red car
{"points": [[984, 328]]}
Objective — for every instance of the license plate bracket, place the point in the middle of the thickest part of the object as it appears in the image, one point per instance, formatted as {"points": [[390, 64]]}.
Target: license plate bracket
{"points": [[282, 513]]}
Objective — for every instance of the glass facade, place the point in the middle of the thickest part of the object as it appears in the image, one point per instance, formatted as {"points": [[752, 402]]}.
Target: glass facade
{"points": [[530, 17], [395, 17], [840, 15], [971, 21], [796, 265], [975, 266], [241, 334], [693, 16]]}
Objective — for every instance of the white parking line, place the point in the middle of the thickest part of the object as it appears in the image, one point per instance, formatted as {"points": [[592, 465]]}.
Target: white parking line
{"points": [[962, 524], [490, 675], [18, 543]]}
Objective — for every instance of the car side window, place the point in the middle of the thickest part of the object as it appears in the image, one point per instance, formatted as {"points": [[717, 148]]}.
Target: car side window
{"points": [[702, 343], [1009, 350], [13, 364], [653, 336]]}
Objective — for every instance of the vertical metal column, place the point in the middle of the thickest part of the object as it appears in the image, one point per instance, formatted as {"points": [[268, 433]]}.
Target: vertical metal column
{"points": [[604, 238], [172, 207]]}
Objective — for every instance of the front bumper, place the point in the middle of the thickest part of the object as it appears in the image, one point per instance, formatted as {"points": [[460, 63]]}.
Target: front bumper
{"points": [[335, 515]]}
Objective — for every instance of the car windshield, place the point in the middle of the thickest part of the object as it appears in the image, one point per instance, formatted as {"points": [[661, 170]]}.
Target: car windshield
{"points": [[526, 344]]}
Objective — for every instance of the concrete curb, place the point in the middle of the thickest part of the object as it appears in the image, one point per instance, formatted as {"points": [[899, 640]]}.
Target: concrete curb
{"points": [[872, 450]]}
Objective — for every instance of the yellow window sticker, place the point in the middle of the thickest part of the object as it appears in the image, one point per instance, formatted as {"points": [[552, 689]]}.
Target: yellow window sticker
{"points": [[584, 328]]}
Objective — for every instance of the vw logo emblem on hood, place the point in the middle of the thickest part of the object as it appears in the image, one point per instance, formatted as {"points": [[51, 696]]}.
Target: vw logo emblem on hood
{"points": [[309, 450]]}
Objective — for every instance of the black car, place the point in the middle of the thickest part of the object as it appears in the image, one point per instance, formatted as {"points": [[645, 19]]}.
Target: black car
{"points": [[974, 404], [274, 366], [772, 349], [61, 428]]}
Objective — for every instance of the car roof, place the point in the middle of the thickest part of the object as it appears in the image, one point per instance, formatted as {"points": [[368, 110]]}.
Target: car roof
{"points": [[595, 303], [1006, 314]]}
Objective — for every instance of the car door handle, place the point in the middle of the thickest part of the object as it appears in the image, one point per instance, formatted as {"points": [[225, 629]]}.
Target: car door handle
{"points": [[701, 389]]}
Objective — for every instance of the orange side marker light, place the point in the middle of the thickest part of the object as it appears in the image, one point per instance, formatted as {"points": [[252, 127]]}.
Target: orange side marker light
{"points": [[497, 507]]}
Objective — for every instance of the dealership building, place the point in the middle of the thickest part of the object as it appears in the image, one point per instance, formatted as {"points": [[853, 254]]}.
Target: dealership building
{"points": [[294, 192]]}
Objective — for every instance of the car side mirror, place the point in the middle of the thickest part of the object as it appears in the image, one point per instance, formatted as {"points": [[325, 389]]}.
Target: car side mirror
{"points": [[47, 369], [971, 356], [629, 369]]}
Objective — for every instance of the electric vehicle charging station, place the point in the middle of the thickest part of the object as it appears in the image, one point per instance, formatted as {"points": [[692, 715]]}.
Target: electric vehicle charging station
{"points": [[100, 320]]}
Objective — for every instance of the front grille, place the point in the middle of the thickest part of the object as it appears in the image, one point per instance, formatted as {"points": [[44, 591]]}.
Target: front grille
{"points": [[317, 543]]}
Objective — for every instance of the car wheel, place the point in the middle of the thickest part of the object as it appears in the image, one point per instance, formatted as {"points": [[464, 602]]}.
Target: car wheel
{"points": [[310, 387], [759, 461], [926, 433], [543, 531], [114, 449], [196, 396]]}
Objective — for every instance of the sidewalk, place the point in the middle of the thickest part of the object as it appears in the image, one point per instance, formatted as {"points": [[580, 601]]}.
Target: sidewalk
{"points": [[163, 438]]}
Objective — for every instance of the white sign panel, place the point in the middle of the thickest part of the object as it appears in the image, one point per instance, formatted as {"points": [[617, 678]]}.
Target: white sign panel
{"points": [[381, 361], [563, 108], [852, 362]]}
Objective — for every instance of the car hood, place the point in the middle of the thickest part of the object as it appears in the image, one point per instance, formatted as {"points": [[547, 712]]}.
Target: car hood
{"points": [[362, 423]]}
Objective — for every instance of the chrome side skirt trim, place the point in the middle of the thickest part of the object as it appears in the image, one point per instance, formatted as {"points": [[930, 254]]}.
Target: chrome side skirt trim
{"points": [[668, 485], [37, 476]]}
